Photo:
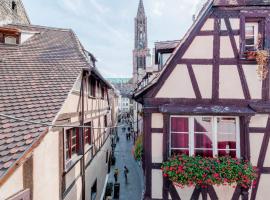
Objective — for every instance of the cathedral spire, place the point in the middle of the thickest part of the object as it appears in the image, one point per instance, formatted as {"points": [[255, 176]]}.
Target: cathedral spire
{"points": [[141, 9]]}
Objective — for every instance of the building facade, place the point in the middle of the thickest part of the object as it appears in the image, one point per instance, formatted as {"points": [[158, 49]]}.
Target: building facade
{"points": [[211, 89], [63, 150], [12, 11]]}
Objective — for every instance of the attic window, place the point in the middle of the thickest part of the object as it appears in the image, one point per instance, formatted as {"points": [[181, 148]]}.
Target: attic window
{"points": [[14, 6], [251, 36], [10, 40]]}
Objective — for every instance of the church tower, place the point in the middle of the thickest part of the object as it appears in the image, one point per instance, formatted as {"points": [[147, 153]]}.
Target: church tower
{"points": [[141, 51], [13, 12]]}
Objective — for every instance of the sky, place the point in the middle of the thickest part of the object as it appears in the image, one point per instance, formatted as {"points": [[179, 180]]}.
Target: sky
{"points": [[106, 27]]}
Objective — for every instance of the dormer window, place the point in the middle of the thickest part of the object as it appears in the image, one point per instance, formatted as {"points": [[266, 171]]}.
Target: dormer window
{"points": [[10, 40], [252, 36], [9, 35]]}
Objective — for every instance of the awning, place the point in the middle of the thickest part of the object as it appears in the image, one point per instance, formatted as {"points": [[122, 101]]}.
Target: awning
{"points": [[206, 110]]}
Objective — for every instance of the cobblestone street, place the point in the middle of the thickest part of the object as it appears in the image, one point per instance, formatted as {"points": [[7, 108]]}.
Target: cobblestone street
{"points": [[134, 188]]}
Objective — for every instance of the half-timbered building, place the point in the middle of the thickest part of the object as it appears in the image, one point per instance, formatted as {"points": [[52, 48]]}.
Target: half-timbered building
{"points": [[211, 98], [55, 111]]}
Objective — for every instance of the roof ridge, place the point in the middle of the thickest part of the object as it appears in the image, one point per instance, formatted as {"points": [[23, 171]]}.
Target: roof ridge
{"points": [[41, 27]]}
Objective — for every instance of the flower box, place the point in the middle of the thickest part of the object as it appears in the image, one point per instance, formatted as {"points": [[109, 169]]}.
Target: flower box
{"points": [[250, 55], [198, 171]]}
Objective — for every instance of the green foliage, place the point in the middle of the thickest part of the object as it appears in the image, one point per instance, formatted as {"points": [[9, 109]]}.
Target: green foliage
{"points": [[138, 148], [198, 171]]}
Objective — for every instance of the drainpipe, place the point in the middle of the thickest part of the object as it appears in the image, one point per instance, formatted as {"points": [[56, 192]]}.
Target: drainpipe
{"points": [[82, 138]]}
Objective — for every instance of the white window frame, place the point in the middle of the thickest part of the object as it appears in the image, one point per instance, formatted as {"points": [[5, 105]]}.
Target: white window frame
{"points": [[10, 40], [256, 32], [191, 133]]}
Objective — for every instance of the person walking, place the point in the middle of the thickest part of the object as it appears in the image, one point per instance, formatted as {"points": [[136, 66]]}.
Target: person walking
{"points": [[116, 175], [126, 173]]}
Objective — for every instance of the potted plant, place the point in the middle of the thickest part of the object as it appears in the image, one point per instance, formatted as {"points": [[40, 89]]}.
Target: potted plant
{"points": [[250, 55], [262, 58], [185, 171], [138, 148]]}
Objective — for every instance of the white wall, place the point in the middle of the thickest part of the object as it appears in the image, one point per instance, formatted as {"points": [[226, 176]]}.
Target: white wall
{"points": [[13, 185], [46, 168]]}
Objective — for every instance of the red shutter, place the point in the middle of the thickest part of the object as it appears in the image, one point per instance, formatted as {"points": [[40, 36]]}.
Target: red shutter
{"points": [[77, 139], [69, 140]]}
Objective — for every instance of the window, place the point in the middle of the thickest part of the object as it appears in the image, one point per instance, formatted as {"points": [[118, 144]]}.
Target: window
{"points": [[102, 92], [94, 190], [13, 6], [251, 36], [105, 121], [205, 135], [92, 87], [10, 40], [87, 133], [72, 142]]}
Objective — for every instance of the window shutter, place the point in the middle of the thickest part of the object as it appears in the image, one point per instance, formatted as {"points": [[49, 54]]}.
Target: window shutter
{"points": [[77, 139]]}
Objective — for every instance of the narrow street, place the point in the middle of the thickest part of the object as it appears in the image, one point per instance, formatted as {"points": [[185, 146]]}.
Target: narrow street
{"points": [[134, 188]]}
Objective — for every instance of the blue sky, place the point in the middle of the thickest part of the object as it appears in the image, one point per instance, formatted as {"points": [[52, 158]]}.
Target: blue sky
{"points": [[106, 27]]}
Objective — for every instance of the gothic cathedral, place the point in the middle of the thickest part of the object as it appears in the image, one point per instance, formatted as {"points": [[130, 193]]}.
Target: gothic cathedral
{"points": [[13, 12], [141, 51]]}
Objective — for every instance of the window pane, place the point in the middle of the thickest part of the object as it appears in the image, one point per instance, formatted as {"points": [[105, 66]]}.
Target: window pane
{"points": [[226, 135], [204, 152], [203, 132], [250, 41], [179, 124], [179, 152], [250, 30], [231, 153], [179, 140]]}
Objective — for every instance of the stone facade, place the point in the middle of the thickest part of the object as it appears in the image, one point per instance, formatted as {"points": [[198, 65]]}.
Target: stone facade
{"points": [[141, 53], [13, 11]]}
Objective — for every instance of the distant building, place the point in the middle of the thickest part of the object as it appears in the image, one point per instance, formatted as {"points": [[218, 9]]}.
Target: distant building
{"points": [[13, 12], [141, 52], [125, 87]]}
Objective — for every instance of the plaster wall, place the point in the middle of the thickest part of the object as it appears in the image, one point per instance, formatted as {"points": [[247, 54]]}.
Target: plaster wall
{"points": [[97, 170], [230, 89], [46, 168], [157, 150], [258, 121], [208, 25], [203, 74], [254, 84], [76, 191], [201, 47], [180, 78], [157, 120], [226, 50], [13, 185], [263, 189], [255, 147], [157, 184]]}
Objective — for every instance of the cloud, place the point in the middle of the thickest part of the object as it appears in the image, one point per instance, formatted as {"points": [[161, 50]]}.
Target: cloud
{"points": [[106, 27], [158, 7]]}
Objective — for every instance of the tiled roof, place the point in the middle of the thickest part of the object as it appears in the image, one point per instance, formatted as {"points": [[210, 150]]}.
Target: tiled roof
{"points": [[166, 44], [35, 79], [240, 2]]}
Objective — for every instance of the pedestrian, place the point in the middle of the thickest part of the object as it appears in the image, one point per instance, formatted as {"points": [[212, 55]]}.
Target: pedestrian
{"points": [[127, 135], [126, 173], [116, 175]]}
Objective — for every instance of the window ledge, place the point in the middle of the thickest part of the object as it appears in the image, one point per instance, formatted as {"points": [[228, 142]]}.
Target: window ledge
{"points": [[91, 97], [72, 162], [88, 147]]}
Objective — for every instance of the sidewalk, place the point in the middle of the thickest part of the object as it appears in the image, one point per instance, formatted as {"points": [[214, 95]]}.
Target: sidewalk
{"points": [[134, 188]]}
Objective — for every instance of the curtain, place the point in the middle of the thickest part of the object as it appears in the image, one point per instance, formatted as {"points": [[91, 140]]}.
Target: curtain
{"points": [[180, 134], [202, 139]]}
